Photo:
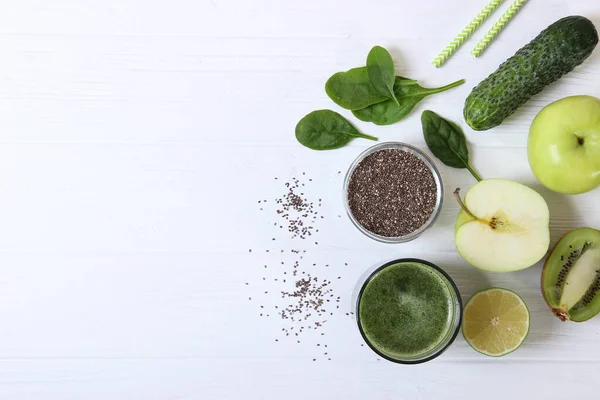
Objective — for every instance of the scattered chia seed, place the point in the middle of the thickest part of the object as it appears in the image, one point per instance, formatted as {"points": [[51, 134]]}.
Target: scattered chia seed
{"points": [[392, 193], [298, 212], [303, 303]]}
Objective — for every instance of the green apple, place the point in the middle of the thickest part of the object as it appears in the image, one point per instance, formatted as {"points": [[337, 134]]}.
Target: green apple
{"points": [[502, 226], [564, 145]]}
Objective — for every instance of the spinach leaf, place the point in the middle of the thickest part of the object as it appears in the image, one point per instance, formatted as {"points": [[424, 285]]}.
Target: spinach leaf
{"points": [[380, 68], [446, 141], [326, 130], [353, 90], [408, 93]]}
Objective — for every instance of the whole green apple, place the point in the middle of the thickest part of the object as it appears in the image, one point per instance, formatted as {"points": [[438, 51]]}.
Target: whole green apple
{"points": [[564, 145]]}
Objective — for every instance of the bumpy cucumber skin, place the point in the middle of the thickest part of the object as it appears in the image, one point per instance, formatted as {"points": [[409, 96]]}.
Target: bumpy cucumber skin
{"points": [[556, 51]]}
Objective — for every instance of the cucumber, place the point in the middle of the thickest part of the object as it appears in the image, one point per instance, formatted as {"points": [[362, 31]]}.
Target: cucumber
{"points": [[557, 50]]}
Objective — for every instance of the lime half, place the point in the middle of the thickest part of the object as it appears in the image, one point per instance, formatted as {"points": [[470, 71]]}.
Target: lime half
{"points": [[496, 322]]}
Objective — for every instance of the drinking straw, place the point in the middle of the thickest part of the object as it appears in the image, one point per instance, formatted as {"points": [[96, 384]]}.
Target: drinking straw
{"points": [[498, 26], [465, 33]]}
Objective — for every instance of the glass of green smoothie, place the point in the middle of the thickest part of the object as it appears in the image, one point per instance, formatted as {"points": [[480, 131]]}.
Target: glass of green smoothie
{"points": [[409, 311]]}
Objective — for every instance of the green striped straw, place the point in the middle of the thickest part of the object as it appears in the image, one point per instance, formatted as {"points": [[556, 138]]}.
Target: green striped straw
{"points": [[465, 33], [498, 26]]}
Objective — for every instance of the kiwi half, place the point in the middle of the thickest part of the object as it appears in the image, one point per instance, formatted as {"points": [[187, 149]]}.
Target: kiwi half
{"points": [[571, 276]]}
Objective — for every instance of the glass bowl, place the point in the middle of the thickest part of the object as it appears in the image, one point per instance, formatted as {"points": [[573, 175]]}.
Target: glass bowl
{"points": [[453, 326], [436, 176]]}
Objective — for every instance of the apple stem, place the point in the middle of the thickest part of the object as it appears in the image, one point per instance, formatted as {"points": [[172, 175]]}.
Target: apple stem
{"points": [[462, 204]]}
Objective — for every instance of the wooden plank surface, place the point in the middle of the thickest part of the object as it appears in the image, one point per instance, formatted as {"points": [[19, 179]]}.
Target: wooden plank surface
{"points": [[136, 139]]}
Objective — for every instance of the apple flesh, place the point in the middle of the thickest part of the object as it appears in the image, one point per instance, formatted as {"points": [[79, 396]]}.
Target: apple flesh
{"points": [[503, 226], [564, 145]]}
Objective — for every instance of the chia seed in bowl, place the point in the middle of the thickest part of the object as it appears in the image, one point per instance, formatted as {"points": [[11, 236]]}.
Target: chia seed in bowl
{"points": [[393, 192]]}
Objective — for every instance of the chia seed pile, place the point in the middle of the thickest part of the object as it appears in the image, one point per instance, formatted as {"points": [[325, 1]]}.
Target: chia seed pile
{"points": [[297, 211], [308, 297], [392, 193], [305, 301]]}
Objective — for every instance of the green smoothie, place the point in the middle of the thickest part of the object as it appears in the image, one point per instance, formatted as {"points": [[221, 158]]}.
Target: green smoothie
{"points": [[407, 309]]}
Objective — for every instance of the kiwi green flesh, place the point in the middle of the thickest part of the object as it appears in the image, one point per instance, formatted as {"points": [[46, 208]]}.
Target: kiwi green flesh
{"points": [[571, 277]]}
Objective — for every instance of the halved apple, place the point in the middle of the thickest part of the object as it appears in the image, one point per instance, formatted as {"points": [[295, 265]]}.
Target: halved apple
{"points": [[503, 226]]}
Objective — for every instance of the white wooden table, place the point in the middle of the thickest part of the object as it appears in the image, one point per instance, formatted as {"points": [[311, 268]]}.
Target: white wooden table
{"points": [[136, 138]]}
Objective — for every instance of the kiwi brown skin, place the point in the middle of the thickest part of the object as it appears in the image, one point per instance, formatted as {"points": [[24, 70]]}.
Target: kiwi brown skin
{"points": [[560, 312]]}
